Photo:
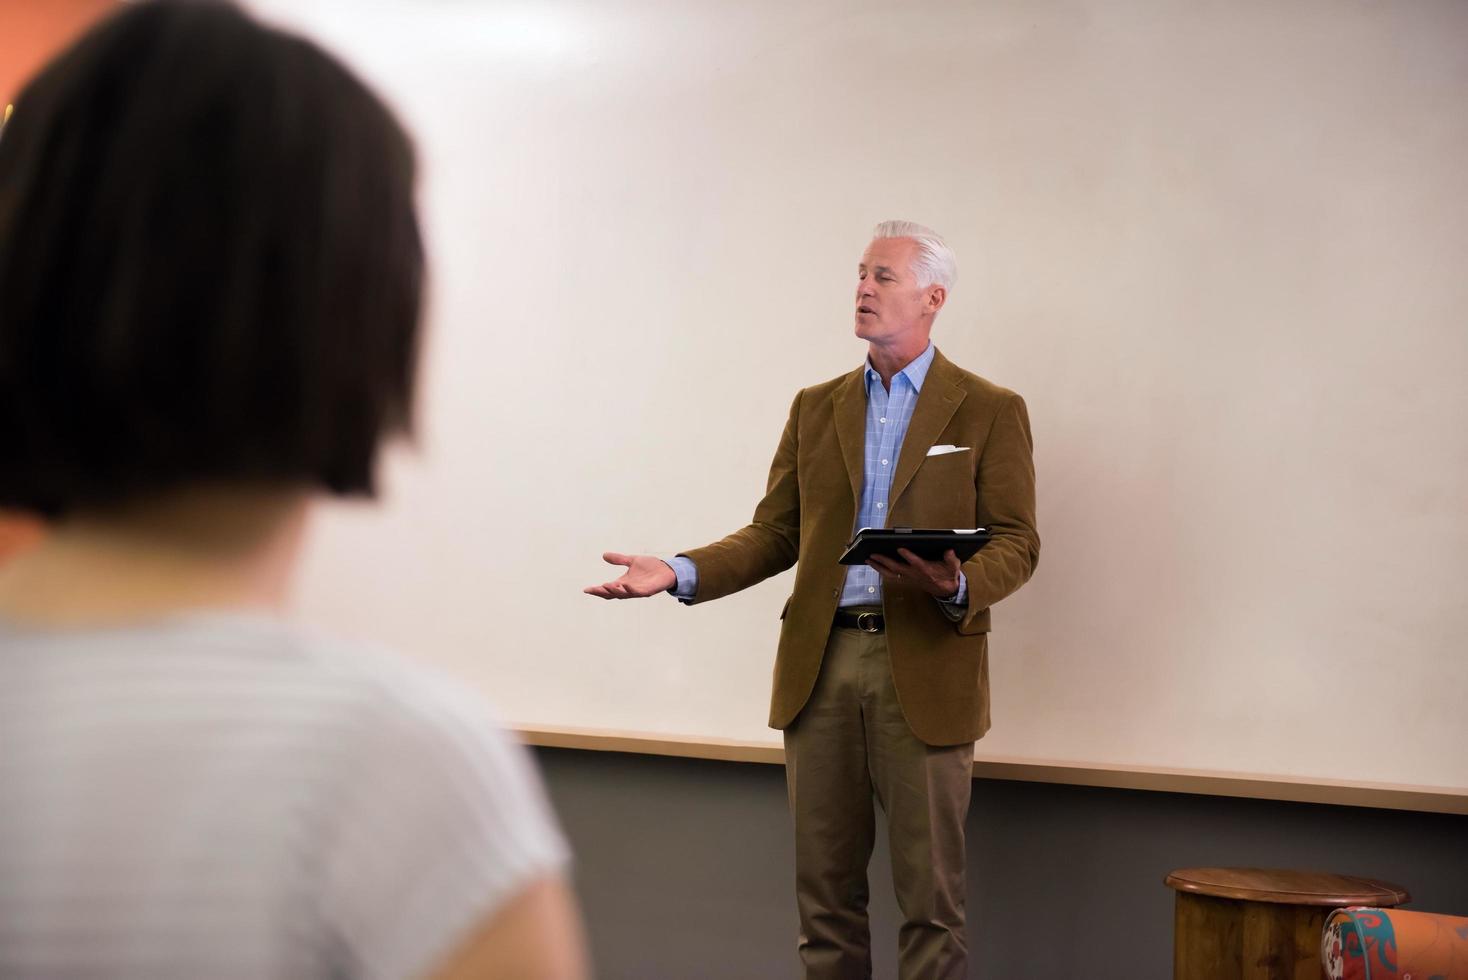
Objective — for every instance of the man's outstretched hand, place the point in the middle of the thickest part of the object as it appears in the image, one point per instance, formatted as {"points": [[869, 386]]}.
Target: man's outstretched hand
{"points": [[645, 576]]}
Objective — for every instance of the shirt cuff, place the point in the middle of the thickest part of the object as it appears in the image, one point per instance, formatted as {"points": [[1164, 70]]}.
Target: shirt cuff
{"points": [[687, 572], [956, 606]]}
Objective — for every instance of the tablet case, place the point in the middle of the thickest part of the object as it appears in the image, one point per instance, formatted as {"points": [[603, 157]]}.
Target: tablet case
{"points": [[929, 543]]}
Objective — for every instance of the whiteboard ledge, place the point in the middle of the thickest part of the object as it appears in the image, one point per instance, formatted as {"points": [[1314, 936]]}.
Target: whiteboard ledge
{"points": [[1207, 782]]}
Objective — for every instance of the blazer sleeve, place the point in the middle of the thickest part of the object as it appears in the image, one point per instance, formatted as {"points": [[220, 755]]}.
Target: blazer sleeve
{"points": [[1005, 505], [770, 543]]}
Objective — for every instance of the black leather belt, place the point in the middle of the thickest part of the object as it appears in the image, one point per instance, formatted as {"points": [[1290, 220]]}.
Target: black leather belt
{"points": [[867, 622]]}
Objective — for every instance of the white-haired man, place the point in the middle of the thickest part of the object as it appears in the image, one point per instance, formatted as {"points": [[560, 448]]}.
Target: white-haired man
{"points": [[881, 679]]}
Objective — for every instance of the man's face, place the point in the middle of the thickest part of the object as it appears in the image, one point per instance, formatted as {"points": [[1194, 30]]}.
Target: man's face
{"points": [[891, 308]]}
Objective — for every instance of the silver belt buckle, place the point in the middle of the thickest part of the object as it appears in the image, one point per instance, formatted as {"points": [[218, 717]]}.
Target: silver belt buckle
{"points": [[861, 622]]}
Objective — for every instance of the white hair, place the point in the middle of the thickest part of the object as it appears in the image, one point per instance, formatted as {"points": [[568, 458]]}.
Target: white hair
{"points": [[935, 263]]}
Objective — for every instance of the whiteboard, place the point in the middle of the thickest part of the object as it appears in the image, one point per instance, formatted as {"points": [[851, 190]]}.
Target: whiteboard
{"points": [[1219, 248]]}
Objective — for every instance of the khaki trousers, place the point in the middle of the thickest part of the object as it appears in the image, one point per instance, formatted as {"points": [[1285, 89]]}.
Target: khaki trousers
{"points": [[849, 744]]}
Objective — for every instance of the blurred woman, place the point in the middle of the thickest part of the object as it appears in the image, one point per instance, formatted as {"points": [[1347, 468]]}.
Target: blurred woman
{"points": [[210, 279]]}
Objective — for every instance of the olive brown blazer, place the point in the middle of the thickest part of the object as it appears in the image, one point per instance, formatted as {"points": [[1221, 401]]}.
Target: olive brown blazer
{"points": [[939, 664]]}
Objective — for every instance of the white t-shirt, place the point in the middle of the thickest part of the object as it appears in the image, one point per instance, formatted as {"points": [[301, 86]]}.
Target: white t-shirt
{"points": [[219, 796]]}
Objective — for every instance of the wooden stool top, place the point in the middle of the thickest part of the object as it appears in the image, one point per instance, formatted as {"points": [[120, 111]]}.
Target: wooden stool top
{"points": [[1288, 887]]}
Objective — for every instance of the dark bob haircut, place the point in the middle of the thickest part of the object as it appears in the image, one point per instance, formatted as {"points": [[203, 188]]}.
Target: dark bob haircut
{"points": [[210, 266]]}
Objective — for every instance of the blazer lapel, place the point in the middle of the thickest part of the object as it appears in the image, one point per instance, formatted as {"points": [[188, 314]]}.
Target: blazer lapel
{"points": [[936, 403], [850, 406]]}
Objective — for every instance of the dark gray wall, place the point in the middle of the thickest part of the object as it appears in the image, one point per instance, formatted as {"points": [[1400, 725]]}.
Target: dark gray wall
{"points": [[684, 868]]}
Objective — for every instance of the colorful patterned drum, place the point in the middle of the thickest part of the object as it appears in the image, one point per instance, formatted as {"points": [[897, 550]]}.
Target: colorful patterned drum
{"points": [[1390, 944]]}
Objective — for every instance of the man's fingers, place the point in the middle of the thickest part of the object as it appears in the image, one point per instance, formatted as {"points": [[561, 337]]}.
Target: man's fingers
{"points": [[929, 575], [916, 561], [912, 558], [612, 558], [885, 567], [922, 567], [612, 590]]}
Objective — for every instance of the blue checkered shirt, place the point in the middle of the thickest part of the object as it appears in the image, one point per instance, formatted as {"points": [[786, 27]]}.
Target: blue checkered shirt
{"points": [[888, 415]]}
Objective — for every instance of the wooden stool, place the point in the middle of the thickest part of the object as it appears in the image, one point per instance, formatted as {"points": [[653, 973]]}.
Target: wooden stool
{"points": [[1253, 924]]}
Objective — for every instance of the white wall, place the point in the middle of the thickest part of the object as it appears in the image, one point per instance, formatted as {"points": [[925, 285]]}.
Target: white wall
{"points": [[1219, 247]]}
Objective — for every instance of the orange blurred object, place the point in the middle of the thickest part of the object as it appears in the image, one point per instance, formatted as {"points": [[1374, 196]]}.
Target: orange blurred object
{"points": [[31, 31], [17, 533]]}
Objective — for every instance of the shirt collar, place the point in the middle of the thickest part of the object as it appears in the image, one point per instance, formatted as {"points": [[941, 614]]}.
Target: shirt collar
{"points": [[915, 371]]}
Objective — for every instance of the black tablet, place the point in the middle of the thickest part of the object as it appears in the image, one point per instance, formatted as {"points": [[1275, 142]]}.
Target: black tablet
{"points": [[925, 542]]}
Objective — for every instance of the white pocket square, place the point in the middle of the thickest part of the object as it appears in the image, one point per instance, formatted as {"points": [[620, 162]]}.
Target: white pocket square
{"points": [[945, 450]]}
